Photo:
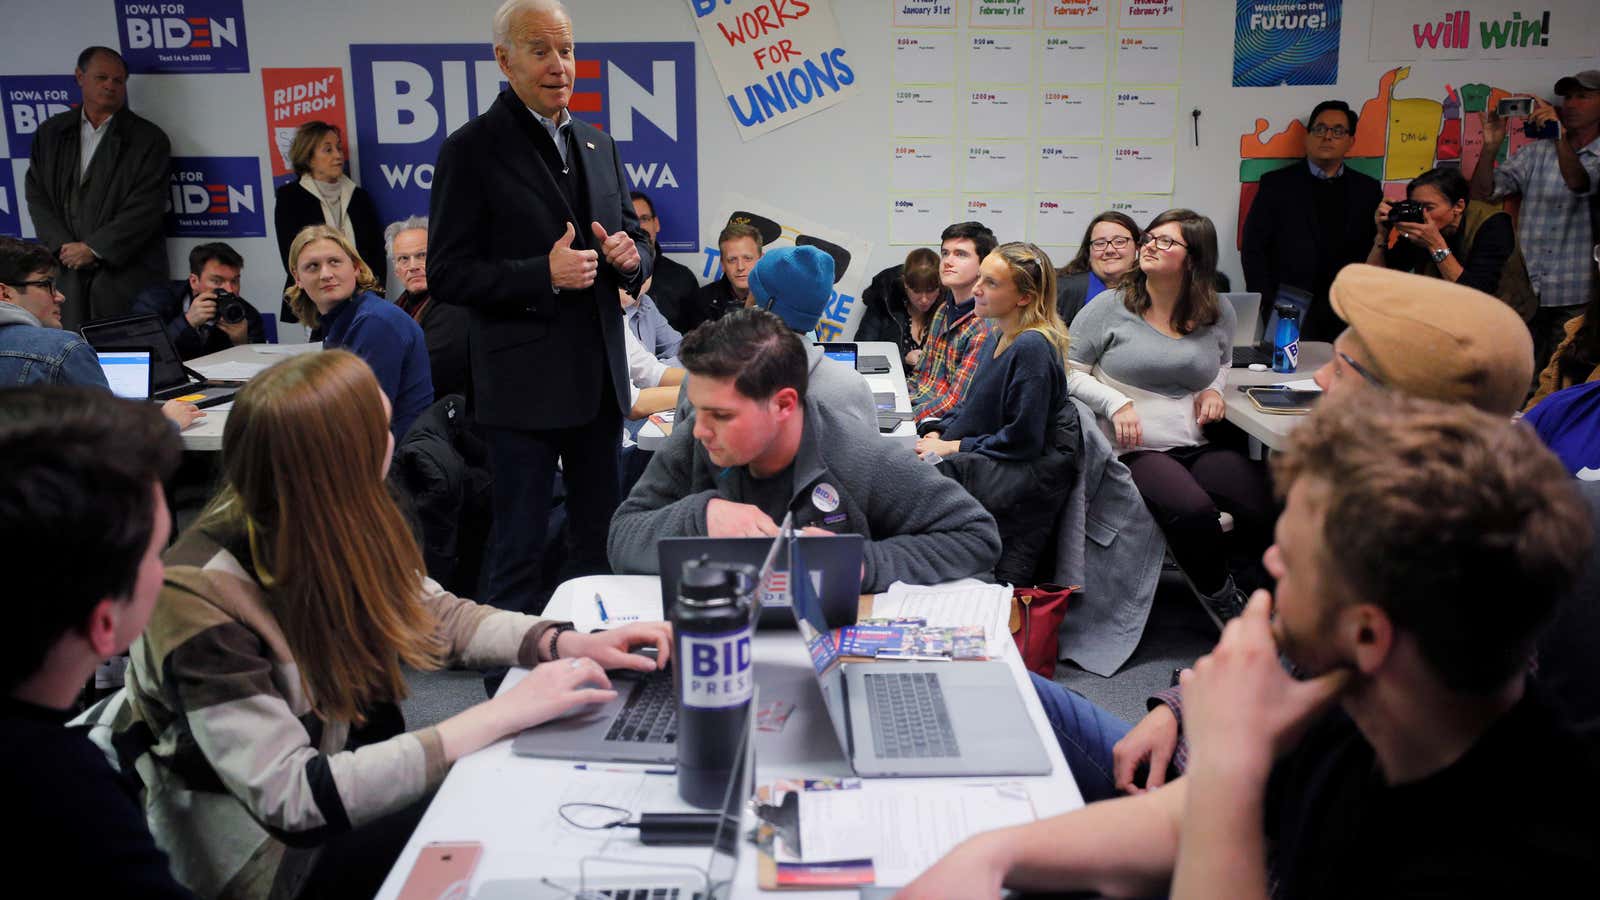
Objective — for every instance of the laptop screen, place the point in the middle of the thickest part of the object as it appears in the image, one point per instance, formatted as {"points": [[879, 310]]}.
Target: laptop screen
{"points": [[144, 332], [724, 862], [127, 371], [845, 353], [1246, 318]]}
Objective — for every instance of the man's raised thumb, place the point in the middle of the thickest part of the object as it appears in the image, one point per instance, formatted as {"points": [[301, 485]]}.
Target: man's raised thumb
{"points": [[565, 241], [599, 231]]}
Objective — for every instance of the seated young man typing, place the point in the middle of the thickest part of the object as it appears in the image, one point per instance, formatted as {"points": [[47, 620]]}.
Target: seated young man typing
{"points": [[83, 520], [1422, 547], [757, 447]]}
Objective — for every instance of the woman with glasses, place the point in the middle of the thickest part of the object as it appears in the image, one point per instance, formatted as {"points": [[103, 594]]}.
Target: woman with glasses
{"points": [[1160, 350], [1577, 357], [1109, 251], [1469, 242]]}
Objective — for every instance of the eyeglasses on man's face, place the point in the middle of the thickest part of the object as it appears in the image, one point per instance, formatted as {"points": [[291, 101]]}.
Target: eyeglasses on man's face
{"points": [[1161, 241], [1116, 243], [49, 284], [1359, 369], [1333, 131]]}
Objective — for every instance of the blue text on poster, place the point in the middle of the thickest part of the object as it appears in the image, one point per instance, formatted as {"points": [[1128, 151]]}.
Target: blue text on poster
{"points": [[26, 101], [1285, 42], [178, 36], [215, 197], [409, 97]]}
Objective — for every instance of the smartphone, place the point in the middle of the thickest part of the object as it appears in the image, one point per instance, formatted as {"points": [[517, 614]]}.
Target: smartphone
{"points": [[1279, 398], [1514, 108], [443, 871]]}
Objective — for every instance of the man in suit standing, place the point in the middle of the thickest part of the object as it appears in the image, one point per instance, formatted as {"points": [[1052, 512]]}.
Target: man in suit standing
{"points": [[1311, 219], [534, 232], [97, 190]]}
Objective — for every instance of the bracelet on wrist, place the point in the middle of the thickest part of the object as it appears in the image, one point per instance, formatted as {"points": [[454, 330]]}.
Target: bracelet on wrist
{"points": [[555, 638]]}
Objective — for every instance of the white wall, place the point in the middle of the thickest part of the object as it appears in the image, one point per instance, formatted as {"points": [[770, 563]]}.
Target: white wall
{"points": [[832, 167]]}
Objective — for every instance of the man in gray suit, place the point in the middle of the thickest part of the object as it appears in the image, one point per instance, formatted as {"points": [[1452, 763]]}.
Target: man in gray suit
{"points": [[97, 185]]}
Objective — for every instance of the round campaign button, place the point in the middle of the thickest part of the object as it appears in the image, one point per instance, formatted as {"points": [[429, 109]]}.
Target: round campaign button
{"points": [[824, 497]]}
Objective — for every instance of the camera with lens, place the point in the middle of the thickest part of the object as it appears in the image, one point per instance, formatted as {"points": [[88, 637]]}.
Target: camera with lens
{"points": [[230, 307], [1404, 211]]}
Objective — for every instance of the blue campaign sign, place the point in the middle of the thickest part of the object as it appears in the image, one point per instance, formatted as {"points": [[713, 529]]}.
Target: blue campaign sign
{"points": [[215, 196], [10, 222], [183, 36], [409, 97], [27, 100]]}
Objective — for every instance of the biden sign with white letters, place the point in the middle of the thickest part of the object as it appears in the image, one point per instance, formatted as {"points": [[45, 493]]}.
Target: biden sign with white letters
{"points": [[183, 36], [409, 97]]}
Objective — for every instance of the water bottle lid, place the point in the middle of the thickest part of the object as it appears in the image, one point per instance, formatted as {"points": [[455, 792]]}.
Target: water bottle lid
{"points": [[1287, 311], [707, 583]]}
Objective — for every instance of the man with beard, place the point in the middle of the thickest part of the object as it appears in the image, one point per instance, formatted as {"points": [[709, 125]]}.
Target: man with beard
{"points": [[1422, 547]]}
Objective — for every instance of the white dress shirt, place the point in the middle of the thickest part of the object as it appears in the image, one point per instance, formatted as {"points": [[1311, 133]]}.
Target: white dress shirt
{"points": [[89, 141]]}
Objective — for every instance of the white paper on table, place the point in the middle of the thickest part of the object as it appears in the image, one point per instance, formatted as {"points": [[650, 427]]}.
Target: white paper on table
{"points": [[1001, 213], [918, 220], [1304, 384], [1148, 57], [964, 602], [1144, 113], [1075, 112], [1068, 167], [997, 112], [924, 111], [994, 167], [904, 828], [921, 165], [287, 349], [999, 57], [626, 599], [1140, 168], [999, 14], [1059, 219], [232, 371], [1073, 58], [924, 58], [1073, 14]]}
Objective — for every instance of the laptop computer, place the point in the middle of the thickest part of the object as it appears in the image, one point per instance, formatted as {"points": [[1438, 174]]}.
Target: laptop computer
{"points": [[845, 353], [640, 725], [918, 719], [170, 378], [835, 571], [872, 365], [128, 371], [1247, 343], [683, 883]]}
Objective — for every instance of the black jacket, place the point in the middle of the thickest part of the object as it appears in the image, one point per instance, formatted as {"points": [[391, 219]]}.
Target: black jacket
{"points": [[166, 301], [442, 467], [886, 311], [673, 288], [1070, 291], [295, 208], [539, 357], [444, 329], [1285, 244]]}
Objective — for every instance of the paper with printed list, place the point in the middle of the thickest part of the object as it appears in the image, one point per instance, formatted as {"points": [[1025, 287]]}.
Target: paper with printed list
{"points": [[964, 602]]}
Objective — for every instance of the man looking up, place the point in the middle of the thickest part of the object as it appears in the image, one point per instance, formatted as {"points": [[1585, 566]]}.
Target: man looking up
{"points": [[1556, 180], [672, 285], [758, 446], [956, 332], [444, 327], [740, 245], [190, 310], [534, 232], [83, 521], [1310, 220], [1422, 547], [97, 190]]}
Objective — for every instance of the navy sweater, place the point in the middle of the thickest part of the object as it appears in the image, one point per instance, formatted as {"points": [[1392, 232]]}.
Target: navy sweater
{"points": [[1011, 402], [393, 345]]}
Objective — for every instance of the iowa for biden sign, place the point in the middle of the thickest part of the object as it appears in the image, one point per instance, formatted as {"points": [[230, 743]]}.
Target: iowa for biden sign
{"points": [[409, 97], [183, 35]]}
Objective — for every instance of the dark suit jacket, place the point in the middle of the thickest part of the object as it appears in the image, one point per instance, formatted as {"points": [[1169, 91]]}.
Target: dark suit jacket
{"points": [[294, 208], [118, 211], [444, 327], [495, 214], [166, 301], [1283, 244], [673, 288], [1070, 291]]}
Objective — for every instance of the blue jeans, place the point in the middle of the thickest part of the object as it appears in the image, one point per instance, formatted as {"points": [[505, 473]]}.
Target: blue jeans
{"points": [[1086, 734]]}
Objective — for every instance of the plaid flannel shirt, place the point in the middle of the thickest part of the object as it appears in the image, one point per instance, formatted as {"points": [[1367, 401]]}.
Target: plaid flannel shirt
{"points": [[1553, 227], [949, 360], [1173, 698]]}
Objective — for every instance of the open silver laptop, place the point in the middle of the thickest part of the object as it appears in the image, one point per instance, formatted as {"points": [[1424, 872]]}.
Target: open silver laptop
{"points": [[685, 883], [916, 719], [1247, 344]]}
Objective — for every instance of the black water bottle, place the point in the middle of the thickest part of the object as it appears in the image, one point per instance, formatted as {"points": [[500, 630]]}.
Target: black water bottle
{"points": [[714, 674]]}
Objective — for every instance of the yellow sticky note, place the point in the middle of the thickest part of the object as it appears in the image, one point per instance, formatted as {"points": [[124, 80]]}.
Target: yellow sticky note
{"points": [[190, 398]]}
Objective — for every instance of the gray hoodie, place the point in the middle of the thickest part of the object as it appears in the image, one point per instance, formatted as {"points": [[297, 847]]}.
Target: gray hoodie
{"points": [[920, 527]]}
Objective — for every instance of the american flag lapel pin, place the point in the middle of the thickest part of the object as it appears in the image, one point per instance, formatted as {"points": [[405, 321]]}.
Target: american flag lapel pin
{"points": [[589, 145]]}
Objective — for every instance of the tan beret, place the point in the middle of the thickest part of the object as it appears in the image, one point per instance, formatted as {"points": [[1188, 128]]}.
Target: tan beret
{"points": [[1435, 339]]}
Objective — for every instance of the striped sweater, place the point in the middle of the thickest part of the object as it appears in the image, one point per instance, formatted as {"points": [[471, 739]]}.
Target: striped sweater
{"points": [[242, 779]]}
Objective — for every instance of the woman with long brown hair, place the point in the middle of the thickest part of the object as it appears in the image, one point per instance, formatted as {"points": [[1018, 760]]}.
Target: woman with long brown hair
{"points": [[1161, 355], [289, 613]]}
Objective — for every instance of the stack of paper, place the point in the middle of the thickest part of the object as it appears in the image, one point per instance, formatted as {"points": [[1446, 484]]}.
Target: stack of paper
{"points": [[965, 602]]}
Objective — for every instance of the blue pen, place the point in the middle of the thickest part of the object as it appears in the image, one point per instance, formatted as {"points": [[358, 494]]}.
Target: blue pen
{"points": [[601, 605], [617, 770]]}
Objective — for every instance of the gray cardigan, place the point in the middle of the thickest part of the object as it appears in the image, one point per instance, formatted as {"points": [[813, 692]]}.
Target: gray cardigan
{"points": [[920, 527], [1107, 542]]}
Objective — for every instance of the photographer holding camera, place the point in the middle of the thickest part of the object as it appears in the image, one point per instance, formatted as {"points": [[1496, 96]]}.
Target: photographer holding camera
{"points": [[205, 314], [1555, 175], [1438, 232]]}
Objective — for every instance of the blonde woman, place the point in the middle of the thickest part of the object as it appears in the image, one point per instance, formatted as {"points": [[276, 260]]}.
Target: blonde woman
{"points": [[287, 616]]}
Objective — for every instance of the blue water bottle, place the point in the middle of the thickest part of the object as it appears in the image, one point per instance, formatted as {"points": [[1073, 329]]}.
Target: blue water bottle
{"points": [[1286, 342]]}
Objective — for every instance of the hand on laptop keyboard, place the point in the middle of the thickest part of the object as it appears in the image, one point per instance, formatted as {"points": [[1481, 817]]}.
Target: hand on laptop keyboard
{"points": [[613, 649]]}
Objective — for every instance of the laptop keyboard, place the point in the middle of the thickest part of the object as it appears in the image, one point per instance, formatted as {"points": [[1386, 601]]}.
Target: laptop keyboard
{"points": [[649, 716], [1244, 356], [663, 893], [909, 716]]}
